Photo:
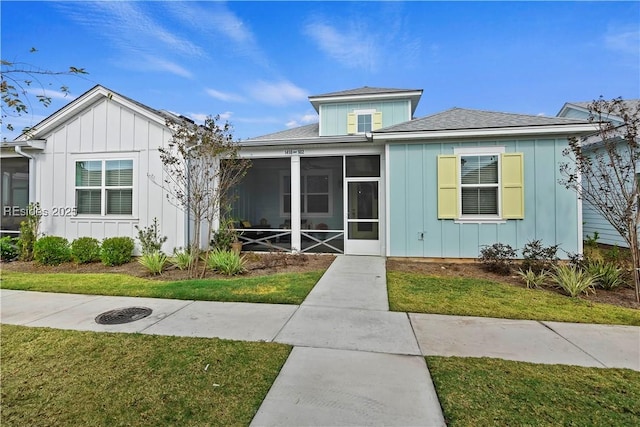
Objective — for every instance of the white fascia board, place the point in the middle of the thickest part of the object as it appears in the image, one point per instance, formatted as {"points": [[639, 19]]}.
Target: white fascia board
{"points": [[78, 104], [489, 132], [317, 100], [307, 141]]}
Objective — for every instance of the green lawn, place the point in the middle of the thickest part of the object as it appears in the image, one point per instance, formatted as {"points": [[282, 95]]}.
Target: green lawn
{"points": [[54, 377], [491, 392], [416, 293], [286, 288]]}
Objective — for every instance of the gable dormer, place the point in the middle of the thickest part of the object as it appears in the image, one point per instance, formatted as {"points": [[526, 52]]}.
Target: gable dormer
{"points": [[363, 110]]}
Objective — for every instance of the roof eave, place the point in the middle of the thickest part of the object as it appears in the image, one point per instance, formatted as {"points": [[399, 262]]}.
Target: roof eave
{"points": [[306, 141], [414, 95], [486, 132]]}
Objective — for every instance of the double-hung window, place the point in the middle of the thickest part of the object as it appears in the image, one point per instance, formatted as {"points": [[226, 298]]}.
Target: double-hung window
{"points": [[104, 187], [363, 121], [481, 184]]}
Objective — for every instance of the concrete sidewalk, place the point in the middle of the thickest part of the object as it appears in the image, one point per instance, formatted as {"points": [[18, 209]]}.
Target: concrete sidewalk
{"points": [[354, 362]]}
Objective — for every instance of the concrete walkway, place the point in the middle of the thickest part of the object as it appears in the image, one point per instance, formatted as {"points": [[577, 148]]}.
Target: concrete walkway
{"points": [[353, 361]]}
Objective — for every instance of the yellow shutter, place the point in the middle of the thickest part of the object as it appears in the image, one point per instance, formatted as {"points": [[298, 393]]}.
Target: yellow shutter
{"points": [[351, 123], [512, 186], [377, 120], [447, 187]]}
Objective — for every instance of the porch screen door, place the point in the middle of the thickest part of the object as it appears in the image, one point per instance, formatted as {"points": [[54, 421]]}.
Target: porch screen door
{"points": [[363, 205]]}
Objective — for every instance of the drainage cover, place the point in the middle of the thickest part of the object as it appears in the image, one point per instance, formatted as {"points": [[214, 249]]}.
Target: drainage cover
{"points": [[123, 315]]}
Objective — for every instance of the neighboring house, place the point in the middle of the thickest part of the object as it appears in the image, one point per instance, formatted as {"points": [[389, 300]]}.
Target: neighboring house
{"points": [[366, 179], [89, 166], [374, 181], [593, 221]]}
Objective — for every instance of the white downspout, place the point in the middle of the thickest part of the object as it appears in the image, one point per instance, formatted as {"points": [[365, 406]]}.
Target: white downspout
{"points": [[32, 173]]}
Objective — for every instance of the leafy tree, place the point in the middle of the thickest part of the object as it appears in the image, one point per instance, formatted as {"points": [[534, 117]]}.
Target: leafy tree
{"points": [[17, 79], [604, 167], [201, 165]]}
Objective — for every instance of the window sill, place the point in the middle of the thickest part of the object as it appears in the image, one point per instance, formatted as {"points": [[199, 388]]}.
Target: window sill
{"points": [[104, 218], [480, 221]]}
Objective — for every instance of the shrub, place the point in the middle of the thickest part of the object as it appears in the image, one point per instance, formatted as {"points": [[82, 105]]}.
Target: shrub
{"points": [[29, 229], [497, 258], [182, 259], [573, 280], [8, 249], [226, 262], [154, 262], [606, 275], [533, 279], [51, 250], [150, 239], [537, 257], [116, 250], [85, 250]]}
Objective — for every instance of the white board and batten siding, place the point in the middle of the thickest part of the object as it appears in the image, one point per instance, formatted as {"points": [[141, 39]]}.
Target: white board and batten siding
{"points": [[106, 130]]}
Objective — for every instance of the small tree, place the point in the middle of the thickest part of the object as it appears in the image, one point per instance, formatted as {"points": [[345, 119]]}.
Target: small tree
{"points": [[201, 165], [604, 170]]}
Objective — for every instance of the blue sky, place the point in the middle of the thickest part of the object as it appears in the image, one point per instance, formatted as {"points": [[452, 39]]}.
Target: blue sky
{"points": [[256, 63]]}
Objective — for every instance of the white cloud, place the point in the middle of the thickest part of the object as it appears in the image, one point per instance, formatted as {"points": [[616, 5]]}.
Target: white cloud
{"points": [[198, 117], [133, 31], [224, 96], [627, 41], [277, 93], [53, 94], [354, 47], [214, 19], [301, 120], [164, 65], [226, 115]]}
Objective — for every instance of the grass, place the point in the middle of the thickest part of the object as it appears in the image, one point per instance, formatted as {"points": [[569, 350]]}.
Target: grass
{"points": [[491, 392], [416, 293], [53, 377], [286, 288]]}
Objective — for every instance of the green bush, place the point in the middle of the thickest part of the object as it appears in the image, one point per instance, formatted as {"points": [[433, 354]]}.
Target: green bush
{"points": [[573, 280], [116, 250], [226, 262], [150, 239], [533, 279], [497, 258], [85, 250], [537, 257], [154, 262], [51, 250], [8, 249], [182, 259], [607, 275]]}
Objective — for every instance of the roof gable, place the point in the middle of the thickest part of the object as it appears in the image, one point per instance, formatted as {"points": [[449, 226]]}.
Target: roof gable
{"points": [[87, 99]]}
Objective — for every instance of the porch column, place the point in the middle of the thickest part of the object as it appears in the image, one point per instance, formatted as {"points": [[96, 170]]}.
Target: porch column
{"points": [[295, 204]]}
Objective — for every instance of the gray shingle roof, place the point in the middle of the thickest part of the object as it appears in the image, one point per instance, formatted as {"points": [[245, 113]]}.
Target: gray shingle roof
{"points": [[460, 118], [629, 103], [365, 90], [301, 132]]}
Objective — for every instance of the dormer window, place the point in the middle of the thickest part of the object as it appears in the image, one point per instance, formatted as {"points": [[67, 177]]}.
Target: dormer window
{"points": [[363, 121]]}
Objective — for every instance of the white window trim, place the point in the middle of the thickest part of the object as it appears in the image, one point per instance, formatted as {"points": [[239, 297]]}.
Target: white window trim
{"points": [[103, 188], [480, 151], [368, 112], [304, 174]]}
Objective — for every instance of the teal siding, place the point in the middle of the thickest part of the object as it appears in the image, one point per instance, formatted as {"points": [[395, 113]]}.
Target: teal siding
{"points": [[333, 117], [550, 209]]}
